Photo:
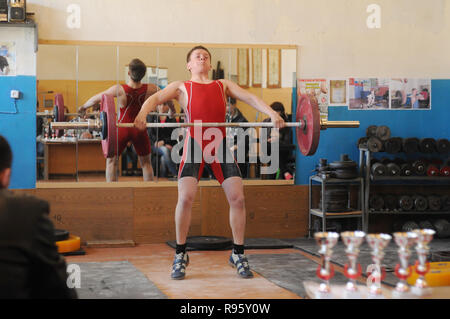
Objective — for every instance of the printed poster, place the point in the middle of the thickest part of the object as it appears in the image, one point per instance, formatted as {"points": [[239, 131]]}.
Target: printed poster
{"points": [[7, 58]]}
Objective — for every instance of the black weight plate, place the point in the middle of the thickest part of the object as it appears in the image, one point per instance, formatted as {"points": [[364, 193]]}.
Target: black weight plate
{"points": [[393, 145], [383, 132], [419, 167], [445, 202], [411, 145], [374, 144], [376, 202], [427, 145], [406, 170], [434, 202], [443, 145], [209, 242], [406, 203], [61, 234], [343, 165], [345, 173], [390, 202], [378, 169], [371, 130], [392, 169], [420, 203]]}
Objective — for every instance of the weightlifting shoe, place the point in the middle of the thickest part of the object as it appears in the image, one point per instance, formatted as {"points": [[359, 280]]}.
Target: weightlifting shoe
{"points": [[179, 266], [240, 262]]}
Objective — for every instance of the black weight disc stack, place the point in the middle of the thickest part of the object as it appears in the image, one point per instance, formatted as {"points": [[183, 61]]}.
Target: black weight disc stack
{"points": [[336, 199], [345, 168]]}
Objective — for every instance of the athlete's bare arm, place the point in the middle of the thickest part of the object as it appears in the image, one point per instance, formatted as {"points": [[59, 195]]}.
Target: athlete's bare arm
{"points": [[174, 90], [235, 91], [115, 90]]}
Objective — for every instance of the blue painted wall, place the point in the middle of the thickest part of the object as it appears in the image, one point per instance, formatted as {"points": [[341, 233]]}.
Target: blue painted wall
{"points": [[403, 123], [18, 126]]}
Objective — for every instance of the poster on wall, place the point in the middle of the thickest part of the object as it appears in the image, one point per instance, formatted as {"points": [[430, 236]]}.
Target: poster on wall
{"points": [[7, 58], [410, 94], [316, 89], [338, 92], [368, 94]]}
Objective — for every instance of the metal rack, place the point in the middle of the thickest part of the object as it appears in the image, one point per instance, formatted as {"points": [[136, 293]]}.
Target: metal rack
{"points": [[365, 171], [359, 212]]}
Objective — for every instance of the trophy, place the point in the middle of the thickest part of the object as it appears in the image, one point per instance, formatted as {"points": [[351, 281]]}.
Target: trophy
{"points": [[352, 270], [325, 270], [404, 241], [424, 236], [378, 243]]}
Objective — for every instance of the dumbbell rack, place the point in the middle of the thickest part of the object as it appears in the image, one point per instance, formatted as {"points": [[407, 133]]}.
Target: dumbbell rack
{"points": [[365, 171], [322, 213]]}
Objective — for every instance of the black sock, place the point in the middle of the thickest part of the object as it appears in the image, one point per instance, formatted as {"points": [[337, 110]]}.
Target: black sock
{"points": [[238, 249], [180, 249]]}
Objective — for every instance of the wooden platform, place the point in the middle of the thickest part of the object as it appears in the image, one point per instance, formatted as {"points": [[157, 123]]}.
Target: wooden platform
{"points": [[143, 212]]}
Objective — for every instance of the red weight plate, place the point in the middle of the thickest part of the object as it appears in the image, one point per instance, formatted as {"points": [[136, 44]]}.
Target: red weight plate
{"points": [[59, 102], [109, 145], [308, 135]]}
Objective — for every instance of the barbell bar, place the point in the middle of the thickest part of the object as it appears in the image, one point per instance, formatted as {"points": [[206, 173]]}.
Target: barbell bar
{"points": [[308, 125]]}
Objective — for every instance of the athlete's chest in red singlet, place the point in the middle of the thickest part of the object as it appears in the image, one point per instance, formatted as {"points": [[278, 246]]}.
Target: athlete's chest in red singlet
{"points": [[206, 102]]}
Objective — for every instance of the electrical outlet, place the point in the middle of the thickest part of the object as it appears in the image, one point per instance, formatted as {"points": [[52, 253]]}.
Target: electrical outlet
{"points": [[15, 94]]}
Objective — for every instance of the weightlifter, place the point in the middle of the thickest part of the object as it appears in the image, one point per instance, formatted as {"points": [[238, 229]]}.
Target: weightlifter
{"points": [[204, 100], [130, 98]]}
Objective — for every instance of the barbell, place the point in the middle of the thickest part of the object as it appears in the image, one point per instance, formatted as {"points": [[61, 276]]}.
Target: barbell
{"points": [[308, 125]]}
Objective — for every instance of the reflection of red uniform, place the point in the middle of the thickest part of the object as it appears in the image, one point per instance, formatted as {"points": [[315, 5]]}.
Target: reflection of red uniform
{"points": [[206, 103], [127, 114]]}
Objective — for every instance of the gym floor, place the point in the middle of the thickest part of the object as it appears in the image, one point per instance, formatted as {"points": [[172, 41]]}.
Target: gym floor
{"points": [[207, 271]]}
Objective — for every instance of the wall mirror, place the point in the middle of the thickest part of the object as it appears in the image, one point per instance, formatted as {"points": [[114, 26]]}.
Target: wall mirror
{"points": [[79, 70]]}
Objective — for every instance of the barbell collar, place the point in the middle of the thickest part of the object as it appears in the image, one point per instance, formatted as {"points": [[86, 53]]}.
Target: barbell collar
{"points": [[324, 124]]}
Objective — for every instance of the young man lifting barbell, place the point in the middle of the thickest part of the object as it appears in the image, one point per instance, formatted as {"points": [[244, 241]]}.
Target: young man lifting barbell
{"points": [[204, 100]]}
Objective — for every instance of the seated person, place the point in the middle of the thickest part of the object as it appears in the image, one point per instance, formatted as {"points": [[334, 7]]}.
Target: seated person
{"points": [[162, 140], [284, 136], [235, 116], [30, 265], [129, 156]]}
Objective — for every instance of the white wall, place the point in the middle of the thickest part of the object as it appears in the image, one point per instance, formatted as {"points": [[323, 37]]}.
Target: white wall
{"points": [[332, 35]]}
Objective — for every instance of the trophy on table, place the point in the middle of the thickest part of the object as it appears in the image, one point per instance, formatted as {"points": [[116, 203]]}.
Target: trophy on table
{"points": [[424, 236], [404, 241], [378, 243], [352, 270], [325, 271]]}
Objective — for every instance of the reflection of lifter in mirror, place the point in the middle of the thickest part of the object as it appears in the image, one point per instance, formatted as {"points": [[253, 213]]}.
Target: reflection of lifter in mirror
{"points": [[204, 100], [130, 98]]}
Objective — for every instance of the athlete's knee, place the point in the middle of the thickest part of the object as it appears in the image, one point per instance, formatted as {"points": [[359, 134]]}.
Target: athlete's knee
{"points": [[237, 200], [186, 200]]}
